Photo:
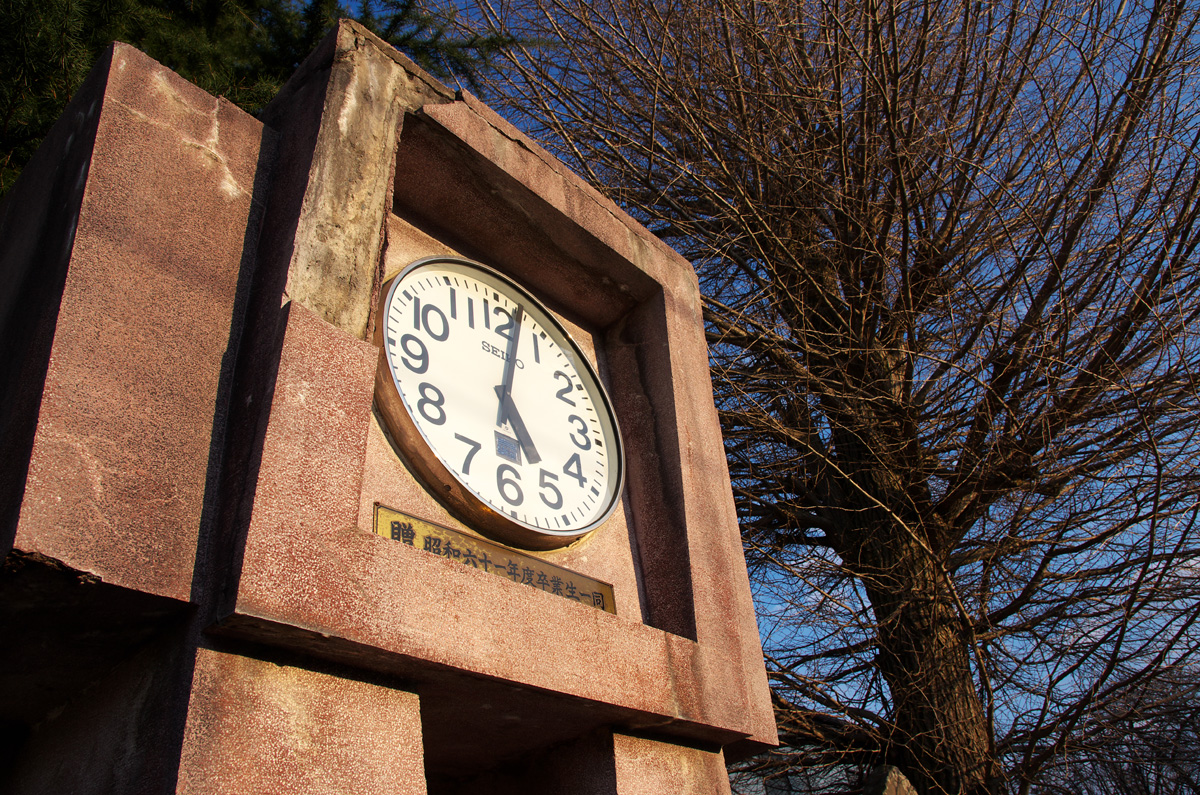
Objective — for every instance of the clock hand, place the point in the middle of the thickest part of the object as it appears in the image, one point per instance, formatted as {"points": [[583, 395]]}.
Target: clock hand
{"points": [[510, 364], [508, 411]]}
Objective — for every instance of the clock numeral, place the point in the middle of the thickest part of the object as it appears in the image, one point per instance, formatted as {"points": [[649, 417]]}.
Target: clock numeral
{"points": [[580, 439], [436, 414], [474, 445], [421, 319], [537, 354], [575, 469], [544, 482], [505, 484], [566, 390], [505, 329], [420, 354]]}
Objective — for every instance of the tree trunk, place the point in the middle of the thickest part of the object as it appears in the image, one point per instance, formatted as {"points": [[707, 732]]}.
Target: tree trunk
{"points": [[941, 738], [891, 539]]}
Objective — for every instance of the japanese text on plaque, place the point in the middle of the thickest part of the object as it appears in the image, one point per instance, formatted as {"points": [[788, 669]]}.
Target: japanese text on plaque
{"points": [[493, 558]]}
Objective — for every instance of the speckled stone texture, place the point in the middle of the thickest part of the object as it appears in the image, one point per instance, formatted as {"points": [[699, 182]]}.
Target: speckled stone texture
{"points": [[132, 397], [126, 249], [651, 767], [204, 457], [259, 728], [682, 656]]}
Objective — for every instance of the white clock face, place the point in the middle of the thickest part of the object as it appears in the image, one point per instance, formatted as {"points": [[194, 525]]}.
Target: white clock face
{"points": [[505, 402]]}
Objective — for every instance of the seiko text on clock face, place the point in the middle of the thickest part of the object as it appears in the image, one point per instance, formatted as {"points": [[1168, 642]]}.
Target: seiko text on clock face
{"points": [[504, 400]]}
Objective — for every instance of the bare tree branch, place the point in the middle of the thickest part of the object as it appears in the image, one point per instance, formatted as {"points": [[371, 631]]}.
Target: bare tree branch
{"points": [[949, 254]]}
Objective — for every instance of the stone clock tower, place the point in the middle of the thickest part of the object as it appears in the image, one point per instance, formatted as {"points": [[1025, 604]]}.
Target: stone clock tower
{"points": [[357, 448]]}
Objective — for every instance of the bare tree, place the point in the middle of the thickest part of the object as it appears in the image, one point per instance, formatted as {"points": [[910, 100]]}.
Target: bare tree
{"points": [[1145, 744], [948, 249]]}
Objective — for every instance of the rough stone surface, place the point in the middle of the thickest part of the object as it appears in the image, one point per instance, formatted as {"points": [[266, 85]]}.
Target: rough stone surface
{"points": [[651, 767], [235, 474], [310, 475], [492, 215], [132, 396], [37, 226], [887, 780], [334, 264], [313, 575], [308, 564], [255, 727], [544, 176]]}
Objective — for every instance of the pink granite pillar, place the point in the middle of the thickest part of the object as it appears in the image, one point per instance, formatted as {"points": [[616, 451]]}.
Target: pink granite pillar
{"points": [[256, 727], [200, 597], [653, 767]]}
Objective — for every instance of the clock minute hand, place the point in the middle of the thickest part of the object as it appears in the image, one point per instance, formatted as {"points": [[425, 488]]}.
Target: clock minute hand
{"points": [[508, 411], [510, 364]]}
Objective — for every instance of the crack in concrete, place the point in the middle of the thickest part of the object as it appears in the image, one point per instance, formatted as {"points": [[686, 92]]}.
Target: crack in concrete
{"points": [[209, 148]]}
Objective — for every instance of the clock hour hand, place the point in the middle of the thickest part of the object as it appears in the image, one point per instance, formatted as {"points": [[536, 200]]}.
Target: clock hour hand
{"points": [[510, 364], [508, 411]]}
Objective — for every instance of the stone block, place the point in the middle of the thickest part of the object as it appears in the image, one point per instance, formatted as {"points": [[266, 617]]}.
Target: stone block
{"points": [[130, 419], [201, 439], [260, 728], [887, 780], [652, 767]]}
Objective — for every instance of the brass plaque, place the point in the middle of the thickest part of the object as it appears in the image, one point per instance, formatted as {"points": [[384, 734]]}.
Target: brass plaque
{"points": [[493, 558]]}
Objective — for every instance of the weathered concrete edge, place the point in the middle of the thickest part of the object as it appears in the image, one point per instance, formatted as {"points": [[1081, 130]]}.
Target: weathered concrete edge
{"points": [[336, 247]]}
